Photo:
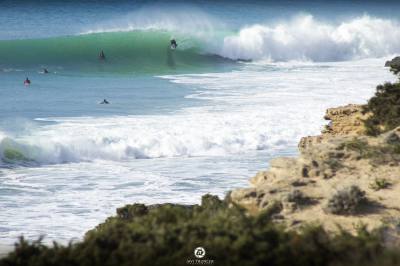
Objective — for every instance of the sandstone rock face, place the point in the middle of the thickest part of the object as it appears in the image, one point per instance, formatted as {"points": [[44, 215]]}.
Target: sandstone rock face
{"points": [[340, 178], [344, 121], [309, 141], [304, 185]]}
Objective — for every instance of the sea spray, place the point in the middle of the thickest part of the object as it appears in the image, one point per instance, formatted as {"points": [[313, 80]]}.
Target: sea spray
{"points": [[305, 38]]}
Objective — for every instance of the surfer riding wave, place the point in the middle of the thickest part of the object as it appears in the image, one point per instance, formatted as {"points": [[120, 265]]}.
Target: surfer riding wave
{"points": [[173, 44]]}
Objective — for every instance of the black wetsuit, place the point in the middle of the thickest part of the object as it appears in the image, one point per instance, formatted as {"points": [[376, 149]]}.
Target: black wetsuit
{"points": [[173, 44]]}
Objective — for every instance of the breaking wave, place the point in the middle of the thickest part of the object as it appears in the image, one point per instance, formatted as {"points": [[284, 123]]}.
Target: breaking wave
{"points": [[304, 38], [146, 49], [123, 138]]}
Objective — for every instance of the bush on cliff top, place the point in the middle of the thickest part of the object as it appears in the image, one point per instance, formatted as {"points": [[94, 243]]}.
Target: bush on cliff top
{"points": [[346, 201], [167, 235], [388, 152], [385, 109], [395, 68]]}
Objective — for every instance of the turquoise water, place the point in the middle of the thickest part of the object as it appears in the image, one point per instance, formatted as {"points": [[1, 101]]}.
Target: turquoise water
{"points": [[137, 52], [245, 83]]}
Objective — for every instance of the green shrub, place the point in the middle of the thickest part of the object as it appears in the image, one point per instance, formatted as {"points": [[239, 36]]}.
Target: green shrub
{"points": [[384, 108], [334, 165], [346, 201], [395, 69], [167, 234], [357, 145], [394, 65], [379, 183], [377, 154], [298, 197]]}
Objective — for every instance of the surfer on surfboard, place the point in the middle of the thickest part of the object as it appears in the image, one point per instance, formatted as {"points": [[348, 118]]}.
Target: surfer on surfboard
{"points": [[173, 44]]}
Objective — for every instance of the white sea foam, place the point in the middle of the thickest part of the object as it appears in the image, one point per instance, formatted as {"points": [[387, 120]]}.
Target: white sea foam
{"points": [[186, 23], [304, 38], [191, 133], [249, 110]]}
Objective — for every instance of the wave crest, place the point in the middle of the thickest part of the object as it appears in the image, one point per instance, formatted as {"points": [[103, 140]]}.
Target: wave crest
{"points": [[125, 138], [304, 38]]}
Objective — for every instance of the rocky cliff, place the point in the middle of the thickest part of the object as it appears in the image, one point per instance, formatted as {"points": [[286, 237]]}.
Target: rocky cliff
{"points": [[343, 121], [341, 178]]}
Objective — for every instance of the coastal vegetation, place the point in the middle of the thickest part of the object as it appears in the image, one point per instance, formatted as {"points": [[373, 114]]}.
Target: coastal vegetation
{"points": [[385, 105], [167, 234], [378, 154], [346, 201], [384, 108], [379, 183]]}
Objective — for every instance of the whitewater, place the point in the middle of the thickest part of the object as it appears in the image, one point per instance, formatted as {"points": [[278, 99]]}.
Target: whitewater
{"points": [[238, 91]]}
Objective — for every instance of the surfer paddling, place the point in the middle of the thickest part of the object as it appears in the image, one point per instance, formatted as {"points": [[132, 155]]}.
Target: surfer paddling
{"points": [[27, 82]]}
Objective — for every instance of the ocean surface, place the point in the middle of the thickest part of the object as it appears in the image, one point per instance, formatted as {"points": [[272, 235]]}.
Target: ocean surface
{"points": [[245, 83]]}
